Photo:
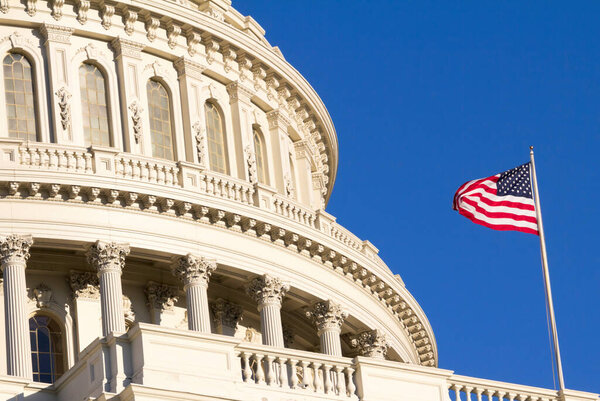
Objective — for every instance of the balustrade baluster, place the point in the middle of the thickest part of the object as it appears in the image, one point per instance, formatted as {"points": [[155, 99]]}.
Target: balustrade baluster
{"points": [[350, 387], [293, 373], [44, 157], [62, 162], [70, 161], [340, 386], [169, 175], [305, 375], [457, 392], [136, 170], [260, 372], [283, 376], [327, 379], [36, 158], [246, 371], [490, 395], [511, 396], [467, 391], [318, 383], [270, 368], [53, 157], [478, 391], [88, 162]]}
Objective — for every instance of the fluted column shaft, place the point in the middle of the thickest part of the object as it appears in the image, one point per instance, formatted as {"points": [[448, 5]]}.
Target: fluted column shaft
{"points": [[328, 317], [14, 252], [194, 272], [270, 324], [268, 293], [108, 258], [330, 342]]}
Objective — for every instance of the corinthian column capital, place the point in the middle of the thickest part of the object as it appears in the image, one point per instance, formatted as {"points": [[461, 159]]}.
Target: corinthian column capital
{"points": [[327, 315], [267, 290], [107, 256], [371, 343], [191, 269], [15, 249]]}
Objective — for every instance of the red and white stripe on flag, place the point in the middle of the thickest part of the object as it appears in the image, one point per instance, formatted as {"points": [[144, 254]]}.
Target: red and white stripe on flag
{"points": [[478, 200]]}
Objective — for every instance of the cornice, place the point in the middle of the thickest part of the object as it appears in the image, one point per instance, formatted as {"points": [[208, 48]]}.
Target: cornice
{"points": [[399, 302]]}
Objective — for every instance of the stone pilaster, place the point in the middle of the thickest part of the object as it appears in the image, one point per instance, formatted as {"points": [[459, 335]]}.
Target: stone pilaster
{"points": [[241, 111], [14, 252], [268, 293], [328, 317], [227, 316], [108, 258], [194, 272], [371, 343]]}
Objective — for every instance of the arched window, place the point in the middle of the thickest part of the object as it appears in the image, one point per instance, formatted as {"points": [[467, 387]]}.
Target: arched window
{"points": [[94, 106], [46, 349], [261, 161], [293, 186], [159, 110], [217, 146], [20, 97]]}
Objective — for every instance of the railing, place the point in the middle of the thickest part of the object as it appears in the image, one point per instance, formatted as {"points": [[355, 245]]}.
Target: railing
{"points": [[470, 388], [346, 237], [293, 211], [223, 186], [55, 157], [146, 169], [297, 370]]}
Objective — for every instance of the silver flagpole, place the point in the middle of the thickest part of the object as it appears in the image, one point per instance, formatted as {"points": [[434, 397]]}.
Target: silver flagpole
{"points": [[538, 213]]}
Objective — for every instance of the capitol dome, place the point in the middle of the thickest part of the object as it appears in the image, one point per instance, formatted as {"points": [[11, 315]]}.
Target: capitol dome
{"points": [[164, 173]]}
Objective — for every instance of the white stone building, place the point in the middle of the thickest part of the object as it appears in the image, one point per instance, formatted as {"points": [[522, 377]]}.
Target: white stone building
{"points": [[164, 174]]}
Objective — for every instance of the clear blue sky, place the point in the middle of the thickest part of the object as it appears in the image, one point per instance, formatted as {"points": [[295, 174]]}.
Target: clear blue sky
{"points": [[426, 95]]}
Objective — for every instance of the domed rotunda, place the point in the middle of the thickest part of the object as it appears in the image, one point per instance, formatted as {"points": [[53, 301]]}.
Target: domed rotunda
{"points": [[164, 173]]}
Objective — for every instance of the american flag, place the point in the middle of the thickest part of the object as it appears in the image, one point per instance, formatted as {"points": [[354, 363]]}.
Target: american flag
{"points": [[502, 202]]}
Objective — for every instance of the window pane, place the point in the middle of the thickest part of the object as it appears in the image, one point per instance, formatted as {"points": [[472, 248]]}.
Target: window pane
{"points": [[47, 359], [20, 107], [93, 102], [217, 153], [261, 166], [160, 120]]}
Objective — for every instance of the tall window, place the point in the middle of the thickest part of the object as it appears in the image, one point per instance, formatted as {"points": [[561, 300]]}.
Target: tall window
{"points": [[93, 106], [46, 349], [19, 92], [293, 190], [259, 151], [217, 149], [159, 110]]}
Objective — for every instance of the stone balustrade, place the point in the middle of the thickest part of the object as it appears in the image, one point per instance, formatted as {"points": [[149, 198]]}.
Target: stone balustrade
{"points": [[297, 370]]}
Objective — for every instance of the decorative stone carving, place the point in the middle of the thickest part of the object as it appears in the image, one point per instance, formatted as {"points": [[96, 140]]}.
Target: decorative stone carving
{"points": [[65, 108], [14, 248], [371, 343], [56, 33], [136, 119], [42, 295], [161, 297], [251, 164], [267, 289], [128, 311], [289, 185], [4, 6], [82, 8], [173, 32], [211, 45], [200, 137], [191, 269], [107, 13], [125, 47], [31, 7], [84, 285], [228, 57], [151, 26], [259, 73], [244, 65], [57, 6], [185, 66], [193, 39], [226, 313], [107, 256], [327, 315], [129, 19]]}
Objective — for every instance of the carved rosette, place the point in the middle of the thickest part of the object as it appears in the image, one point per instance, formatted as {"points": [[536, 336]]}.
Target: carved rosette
{"points": [[327, 316], [107, 256], [85, 285], [267, 290], [15, 249], [226, 313], [370, 343], [191, 269], [161, 297]]}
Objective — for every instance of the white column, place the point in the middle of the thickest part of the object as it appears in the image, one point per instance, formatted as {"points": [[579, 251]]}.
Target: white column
{"points": [[268, 293], [328, 317], [14, 252], [194, 272], [371, 343], [108, 258]]}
